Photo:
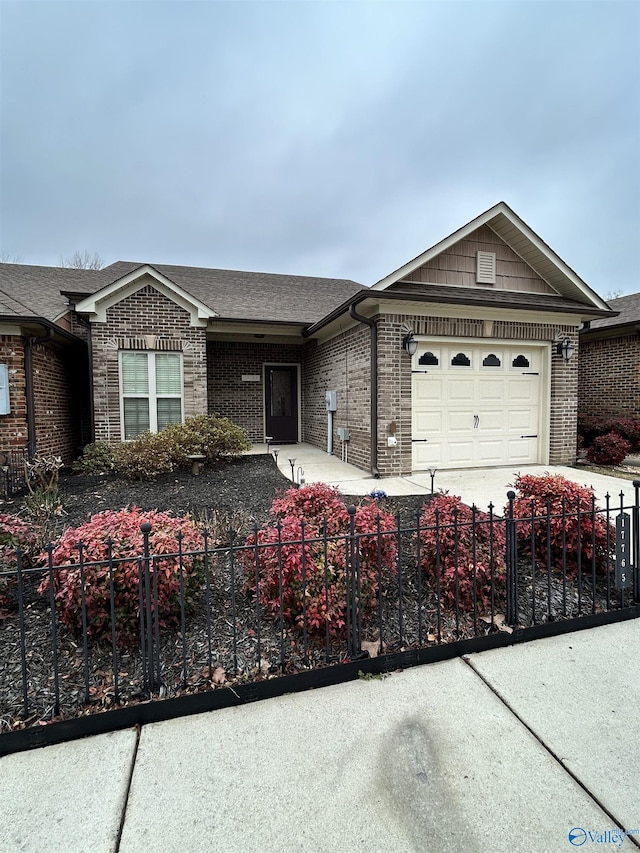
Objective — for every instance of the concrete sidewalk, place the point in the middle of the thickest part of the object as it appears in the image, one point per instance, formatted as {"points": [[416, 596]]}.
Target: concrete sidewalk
{"points": [[512, 750], [481, 486]]}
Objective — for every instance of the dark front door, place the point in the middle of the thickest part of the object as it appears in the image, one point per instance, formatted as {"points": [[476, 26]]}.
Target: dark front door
{"points": [[281, 403]]}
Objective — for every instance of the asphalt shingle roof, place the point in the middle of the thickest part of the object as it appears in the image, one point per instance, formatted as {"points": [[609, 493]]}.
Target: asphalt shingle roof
{"points": [[35, 291], [27, 290], [629, 308], [238, 295]]}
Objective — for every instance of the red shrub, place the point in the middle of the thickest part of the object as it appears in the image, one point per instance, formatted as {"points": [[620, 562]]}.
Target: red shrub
{"points": [[123, 529], [14, 533], [318, 587], [315, 502], [533, 495], [453, 536], [609, 449]]}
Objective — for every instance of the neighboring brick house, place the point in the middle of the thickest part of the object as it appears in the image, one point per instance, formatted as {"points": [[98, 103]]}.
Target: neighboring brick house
{"points": [[609, 375], [486, 310]]}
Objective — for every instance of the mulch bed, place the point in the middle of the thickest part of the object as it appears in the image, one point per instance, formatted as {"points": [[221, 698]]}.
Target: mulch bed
{"points": [[223, 642]]}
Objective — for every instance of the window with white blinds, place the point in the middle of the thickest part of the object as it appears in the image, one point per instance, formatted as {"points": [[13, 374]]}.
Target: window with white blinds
{"points": [[151, 391]]}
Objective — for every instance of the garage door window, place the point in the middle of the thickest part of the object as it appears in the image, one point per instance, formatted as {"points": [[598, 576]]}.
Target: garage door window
{"points": [[461, 360], [520, 361], [429, 359], [491, 360]]}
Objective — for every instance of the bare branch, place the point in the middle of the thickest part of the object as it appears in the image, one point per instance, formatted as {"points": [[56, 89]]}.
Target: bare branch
{"points": [[83, 261]]}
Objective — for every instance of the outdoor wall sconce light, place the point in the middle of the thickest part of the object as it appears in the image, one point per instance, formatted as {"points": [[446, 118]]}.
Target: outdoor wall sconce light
{"points": [[409, 343], [565, 348]]}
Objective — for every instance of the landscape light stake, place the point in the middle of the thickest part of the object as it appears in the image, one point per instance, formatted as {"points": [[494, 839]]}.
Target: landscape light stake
{"points": [[432, 472], [275, 452], [292, 462]]}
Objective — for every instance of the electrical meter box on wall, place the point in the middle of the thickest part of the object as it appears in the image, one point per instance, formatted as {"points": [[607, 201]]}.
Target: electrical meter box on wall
{"points": [[4, 390], [331, 400]]}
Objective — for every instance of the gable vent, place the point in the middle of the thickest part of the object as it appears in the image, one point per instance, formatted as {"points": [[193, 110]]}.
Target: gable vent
{"points": [[486, 267]]}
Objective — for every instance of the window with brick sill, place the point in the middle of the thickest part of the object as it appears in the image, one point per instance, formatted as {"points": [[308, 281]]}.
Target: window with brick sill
{"points": [[151, 391]]}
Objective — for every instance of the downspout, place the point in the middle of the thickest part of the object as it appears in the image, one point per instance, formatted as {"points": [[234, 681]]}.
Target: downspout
{"points": [[374, 386], [28, 389]]}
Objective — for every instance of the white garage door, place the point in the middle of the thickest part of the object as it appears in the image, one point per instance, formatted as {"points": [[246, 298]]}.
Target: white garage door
{"points": [[475, 405]]}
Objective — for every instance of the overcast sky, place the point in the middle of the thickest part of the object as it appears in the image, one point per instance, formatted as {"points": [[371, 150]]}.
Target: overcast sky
{"points": [[319, 138]]}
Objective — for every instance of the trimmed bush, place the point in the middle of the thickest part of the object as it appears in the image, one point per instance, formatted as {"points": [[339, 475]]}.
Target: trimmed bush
{"points": [[533, 495], [590, 427], [145, 457], [97, 458], [122, 528], [609, 449], [446, 534], [152, 454], [311, 585], [206, 435]]}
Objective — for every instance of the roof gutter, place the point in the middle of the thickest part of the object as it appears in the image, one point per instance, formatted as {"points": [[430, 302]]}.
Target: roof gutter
{"points": [[374, 385], [464, 298]]}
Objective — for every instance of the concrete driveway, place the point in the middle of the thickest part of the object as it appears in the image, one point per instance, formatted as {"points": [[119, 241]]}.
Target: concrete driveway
{"points": [[474, 485]]}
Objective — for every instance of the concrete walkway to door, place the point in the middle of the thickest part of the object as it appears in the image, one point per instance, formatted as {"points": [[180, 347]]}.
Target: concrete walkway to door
{"points": [[473, 485]]}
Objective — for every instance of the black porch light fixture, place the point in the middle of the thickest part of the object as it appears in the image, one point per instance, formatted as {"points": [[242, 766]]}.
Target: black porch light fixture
{"points": [[565, 348], [409, 343]]}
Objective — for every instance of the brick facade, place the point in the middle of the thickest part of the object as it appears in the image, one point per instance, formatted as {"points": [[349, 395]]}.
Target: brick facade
{"points": [[242, 401], [146, 312], [342, 363], [609, 377], [57, 401], [13, 427]]}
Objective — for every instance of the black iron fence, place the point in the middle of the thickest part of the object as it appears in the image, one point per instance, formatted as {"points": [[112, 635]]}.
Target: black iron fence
{"points": [[13, 472], [75, 639]]}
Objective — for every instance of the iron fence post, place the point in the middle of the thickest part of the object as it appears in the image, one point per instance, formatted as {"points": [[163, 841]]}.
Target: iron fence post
{"points": [[145, 528], [636, 542], [511, 616], [353, 596]]}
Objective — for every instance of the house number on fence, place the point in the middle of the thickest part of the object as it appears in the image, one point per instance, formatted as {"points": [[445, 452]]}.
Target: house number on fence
{"points": [[623, 540]]}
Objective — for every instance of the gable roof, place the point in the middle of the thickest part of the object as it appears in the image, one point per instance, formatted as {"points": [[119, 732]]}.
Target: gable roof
{"points": [[524, 242], [255, 296], [27, 290]]}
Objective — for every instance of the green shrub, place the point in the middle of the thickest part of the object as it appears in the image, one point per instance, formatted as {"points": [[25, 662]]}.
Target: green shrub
{"points": [[316, 589], [123, 529], [208, 436], [608, 449], [563, 499], [447, 541], [145, 457], [151, 454], [97, 458]]}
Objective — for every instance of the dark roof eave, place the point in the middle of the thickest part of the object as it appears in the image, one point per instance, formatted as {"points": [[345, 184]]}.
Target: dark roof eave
{"points": [[616, 330], [249, 322], [68, 337], [450, 299]]}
